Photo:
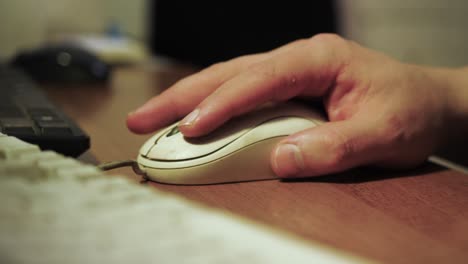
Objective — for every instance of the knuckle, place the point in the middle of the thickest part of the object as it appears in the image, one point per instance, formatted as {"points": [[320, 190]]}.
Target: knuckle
{"points": [[329, 44], [328, 38]]}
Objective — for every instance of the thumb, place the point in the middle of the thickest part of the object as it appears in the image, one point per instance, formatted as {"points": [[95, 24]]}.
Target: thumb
{"points": [[328, 148]]}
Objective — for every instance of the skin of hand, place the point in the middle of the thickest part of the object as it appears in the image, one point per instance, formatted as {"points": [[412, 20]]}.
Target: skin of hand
{"points": [[381, 111]]}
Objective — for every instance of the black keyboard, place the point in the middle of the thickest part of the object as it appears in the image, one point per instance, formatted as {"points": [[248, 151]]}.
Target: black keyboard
{"points": [[27, 113]]}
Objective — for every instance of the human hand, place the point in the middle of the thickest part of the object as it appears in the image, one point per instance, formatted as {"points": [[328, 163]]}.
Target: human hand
{"points": [[381, 111]]}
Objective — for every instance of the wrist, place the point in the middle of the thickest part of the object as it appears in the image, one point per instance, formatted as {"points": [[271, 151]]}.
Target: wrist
{"points": [[452, 84], [457, 93]]}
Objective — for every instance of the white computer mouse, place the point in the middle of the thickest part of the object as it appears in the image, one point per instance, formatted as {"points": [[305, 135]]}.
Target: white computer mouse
{"points": [[235, 152]]}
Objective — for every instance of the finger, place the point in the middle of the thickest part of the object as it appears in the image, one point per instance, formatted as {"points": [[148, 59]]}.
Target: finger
{"points": [[187, 93], [165, 108], [309, 68], [328, 148], [183, 96]]}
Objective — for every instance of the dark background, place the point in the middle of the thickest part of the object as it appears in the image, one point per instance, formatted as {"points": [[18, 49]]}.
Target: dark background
{"points": [[205, 32]]}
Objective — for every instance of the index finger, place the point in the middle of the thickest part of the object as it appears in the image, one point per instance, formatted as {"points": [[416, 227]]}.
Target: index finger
{"points": [[184, 95], [187, 93], [308, 69]]}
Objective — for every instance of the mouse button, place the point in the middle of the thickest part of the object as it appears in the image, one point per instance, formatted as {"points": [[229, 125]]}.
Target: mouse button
{"points": [[274, 128], [173, 146], [149, 144]]}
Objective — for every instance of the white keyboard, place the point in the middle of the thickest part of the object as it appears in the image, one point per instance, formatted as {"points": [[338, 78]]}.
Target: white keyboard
{"points": [[55, 209]]}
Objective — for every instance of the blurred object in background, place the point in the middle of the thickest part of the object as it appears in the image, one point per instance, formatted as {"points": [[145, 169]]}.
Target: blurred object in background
{"points": [[205, 32], [113, 46], [28, 24], [62, 63], [23, 25], [111, 49], [430, 32]]}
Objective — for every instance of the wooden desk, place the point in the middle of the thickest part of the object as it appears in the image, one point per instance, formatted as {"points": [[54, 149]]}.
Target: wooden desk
{"points": [[418, 216]]}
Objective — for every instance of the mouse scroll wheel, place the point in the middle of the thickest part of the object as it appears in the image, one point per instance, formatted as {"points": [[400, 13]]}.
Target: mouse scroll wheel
{"points": [[64, 59]]}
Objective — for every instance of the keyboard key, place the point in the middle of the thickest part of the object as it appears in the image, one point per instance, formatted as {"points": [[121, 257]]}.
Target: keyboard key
{"points": [[19, 131], [11, 148], [15, 122], [34, 157], [80, 172], [56, 131], [50, 122], [54, 128], [46, 118], [60, 210], [51, 167], [27, 113], [38, 112], [17, 126]]}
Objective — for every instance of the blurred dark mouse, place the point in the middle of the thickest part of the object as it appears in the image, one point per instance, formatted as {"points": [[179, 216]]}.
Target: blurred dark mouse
{"points": [[62, 64]]}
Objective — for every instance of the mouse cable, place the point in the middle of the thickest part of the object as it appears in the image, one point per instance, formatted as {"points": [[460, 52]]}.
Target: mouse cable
{"points": [[119, 164], [447, 164]]}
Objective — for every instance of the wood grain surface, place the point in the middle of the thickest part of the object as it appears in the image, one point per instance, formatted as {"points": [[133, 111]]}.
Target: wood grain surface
{"points": [[416, 216]]}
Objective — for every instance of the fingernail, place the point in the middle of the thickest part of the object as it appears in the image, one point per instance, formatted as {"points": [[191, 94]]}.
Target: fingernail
{"points": [[288, 160], [191, 118]]}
